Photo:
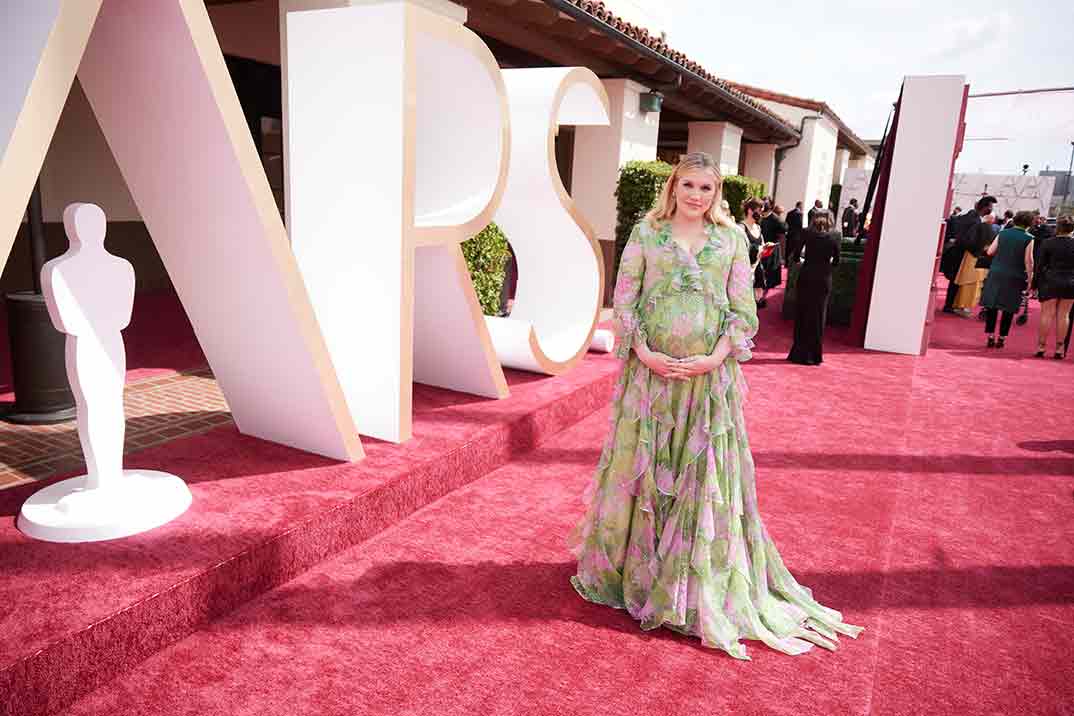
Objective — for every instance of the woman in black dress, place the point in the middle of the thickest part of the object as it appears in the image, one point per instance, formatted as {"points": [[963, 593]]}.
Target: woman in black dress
{"points": [[1055, 278], [774, 230], [751, 224], [814, 286]]}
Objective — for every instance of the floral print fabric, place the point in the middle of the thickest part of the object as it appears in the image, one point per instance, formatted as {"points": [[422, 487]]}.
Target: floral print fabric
{"points": [[672, 532]]}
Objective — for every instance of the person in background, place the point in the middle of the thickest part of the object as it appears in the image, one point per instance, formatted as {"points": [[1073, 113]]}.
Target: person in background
{"points": [[1012, 264], [1008, 219], [996, 226], [794, 234], [814, 288], [974, 269], [1055, 286], [510, 283], [774, 231], [1041, 232], [751, 213], [818, 208], [951, 227], [951, 259], [850, 220]]}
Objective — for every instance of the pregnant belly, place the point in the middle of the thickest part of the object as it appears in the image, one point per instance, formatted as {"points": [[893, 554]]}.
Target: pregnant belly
{"points": [[682, 328]]}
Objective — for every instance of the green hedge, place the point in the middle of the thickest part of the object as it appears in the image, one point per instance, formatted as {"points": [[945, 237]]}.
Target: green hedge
{"points": [[639, 186], [844, 286], [735, 190], [486, 257]]}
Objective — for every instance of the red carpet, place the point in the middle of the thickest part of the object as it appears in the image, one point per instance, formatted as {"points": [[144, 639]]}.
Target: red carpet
{"points": [[77, 616], [929, 499]]}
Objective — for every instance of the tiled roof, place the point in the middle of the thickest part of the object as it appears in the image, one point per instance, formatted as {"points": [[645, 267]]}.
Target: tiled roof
{"points": [[804, 103], [660, 46]]}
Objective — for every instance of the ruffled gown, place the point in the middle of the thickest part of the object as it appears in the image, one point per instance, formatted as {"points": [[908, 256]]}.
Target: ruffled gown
{"points": [[672, 532]]}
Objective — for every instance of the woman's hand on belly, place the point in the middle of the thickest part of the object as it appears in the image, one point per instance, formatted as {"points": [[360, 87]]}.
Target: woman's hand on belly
{"points": [[663, 365], [693, 366]]}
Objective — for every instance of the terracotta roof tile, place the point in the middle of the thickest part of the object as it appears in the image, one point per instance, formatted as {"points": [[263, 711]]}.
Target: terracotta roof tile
{"points": [[657, 44], [805, 103]]}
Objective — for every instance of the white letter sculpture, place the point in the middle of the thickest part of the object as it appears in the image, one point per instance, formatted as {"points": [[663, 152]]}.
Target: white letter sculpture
{"points": [[561, 272], [90, 294], [397, 139]]}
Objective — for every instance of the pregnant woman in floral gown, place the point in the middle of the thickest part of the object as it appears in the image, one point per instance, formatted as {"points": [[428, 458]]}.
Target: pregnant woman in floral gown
{"points": [[673, 533]]}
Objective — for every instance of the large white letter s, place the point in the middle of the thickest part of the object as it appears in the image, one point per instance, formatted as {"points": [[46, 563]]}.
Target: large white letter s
{"points": [[559, 261]]}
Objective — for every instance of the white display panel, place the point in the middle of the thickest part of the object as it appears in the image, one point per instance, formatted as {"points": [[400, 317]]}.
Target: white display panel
{"points": [[917, 189], [855, 186], [1013, 192]]}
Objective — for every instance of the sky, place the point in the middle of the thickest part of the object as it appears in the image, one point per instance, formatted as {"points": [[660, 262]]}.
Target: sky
{"points": [[854, 55]]}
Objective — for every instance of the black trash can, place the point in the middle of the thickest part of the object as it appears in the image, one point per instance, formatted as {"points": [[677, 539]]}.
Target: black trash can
{"points": [[39, 372]]}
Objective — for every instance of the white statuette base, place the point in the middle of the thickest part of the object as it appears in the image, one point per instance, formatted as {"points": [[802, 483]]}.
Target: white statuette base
{"points": [[138, 502]]}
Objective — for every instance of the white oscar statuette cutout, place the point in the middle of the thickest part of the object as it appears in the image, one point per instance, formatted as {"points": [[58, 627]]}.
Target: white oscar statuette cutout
{"points": [[561, 272], [90, 295]]}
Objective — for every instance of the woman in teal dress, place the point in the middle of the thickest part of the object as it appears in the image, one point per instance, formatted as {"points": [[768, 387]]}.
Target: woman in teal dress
{"points": [[1008, 277], [672, 532]]}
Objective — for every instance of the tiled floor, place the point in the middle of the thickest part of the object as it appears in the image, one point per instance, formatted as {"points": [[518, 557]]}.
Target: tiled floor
{"points": [[158, 410]]}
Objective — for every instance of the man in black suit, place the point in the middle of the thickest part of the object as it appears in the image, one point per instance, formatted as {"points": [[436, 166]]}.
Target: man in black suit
{"points": [[818, 208], [850, 219], [963, 230], [774, 231], [794, 234]]}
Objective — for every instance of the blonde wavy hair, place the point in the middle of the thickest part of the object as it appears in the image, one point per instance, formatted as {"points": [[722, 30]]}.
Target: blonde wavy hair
{"points": [[665, 206]]}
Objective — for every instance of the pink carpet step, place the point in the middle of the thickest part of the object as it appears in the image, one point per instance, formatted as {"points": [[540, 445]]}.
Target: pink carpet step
{"points": [[77, 616]]}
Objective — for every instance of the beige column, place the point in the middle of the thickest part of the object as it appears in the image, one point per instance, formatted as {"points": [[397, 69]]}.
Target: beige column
{"points": [[842, 161], [722, 140], [599, 152], [862, 161], [759, 162], [805, 173]]}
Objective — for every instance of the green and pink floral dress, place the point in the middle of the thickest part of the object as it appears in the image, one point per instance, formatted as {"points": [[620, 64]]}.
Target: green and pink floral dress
{"points": [[672, 532]]}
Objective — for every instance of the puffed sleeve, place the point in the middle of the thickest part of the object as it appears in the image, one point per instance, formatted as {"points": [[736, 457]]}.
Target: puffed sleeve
{"points": [[627, 295], [740, 323]]}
